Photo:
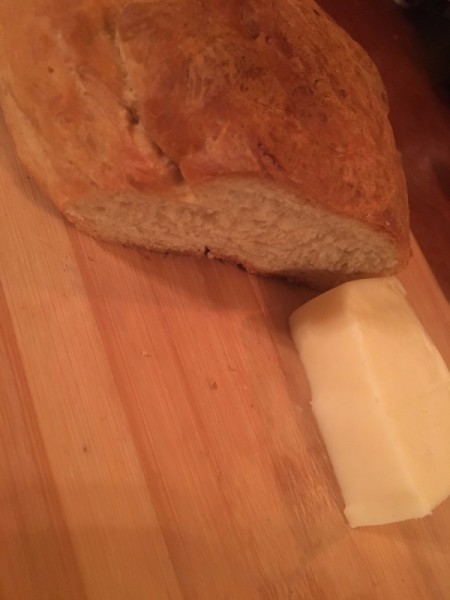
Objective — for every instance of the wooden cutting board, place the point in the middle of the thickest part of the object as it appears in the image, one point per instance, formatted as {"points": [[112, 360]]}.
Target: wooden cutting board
{"points": [[156, 435]]}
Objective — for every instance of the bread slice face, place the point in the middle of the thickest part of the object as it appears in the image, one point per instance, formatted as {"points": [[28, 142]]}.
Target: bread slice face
{"points": [[247, 130]]}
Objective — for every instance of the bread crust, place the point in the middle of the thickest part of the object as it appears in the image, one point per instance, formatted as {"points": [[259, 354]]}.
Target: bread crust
{"points": [[154, 96]]}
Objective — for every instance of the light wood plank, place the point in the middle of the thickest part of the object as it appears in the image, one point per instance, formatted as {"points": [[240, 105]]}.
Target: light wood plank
{"points": [[108, 509]]}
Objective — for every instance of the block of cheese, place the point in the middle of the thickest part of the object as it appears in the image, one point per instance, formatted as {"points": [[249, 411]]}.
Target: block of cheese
{"points": [[381, 397]]}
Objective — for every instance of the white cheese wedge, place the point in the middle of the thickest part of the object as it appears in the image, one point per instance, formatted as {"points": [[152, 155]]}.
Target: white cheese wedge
{"points": [[381, 397]]}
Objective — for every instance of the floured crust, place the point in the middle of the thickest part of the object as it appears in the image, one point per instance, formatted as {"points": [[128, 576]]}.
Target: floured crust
{"points": [[166, 94]]}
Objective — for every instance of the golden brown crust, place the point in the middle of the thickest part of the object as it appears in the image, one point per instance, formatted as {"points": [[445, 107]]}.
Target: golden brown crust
{"points": [[281, 92], [152, 95]]}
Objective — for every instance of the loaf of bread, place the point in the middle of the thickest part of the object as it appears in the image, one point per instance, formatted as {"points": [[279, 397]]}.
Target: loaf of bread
{"points": [[251, 130]]}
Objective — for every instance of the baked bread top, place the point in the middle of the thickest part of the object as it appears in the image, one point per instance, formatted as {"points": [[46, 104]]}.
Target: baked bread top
{"points": [[113, 96]]}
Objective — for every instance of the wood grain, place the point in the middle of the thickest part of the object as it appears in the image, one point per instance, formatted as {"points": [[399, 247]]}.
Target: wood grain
{"points": [[156, 435]]}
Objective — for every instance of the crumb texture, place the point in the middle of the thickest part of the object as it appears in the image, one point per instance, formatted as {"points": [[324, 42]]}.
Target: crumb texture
{"points": [[258, 130]]}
